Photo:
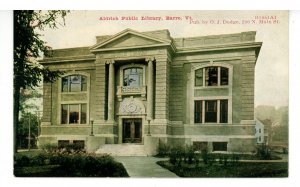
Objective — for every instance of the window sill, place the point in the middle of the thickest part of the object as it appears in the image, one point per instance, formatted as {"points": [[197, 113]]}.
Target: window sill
{"points": [[72, 93], [208, 87]]}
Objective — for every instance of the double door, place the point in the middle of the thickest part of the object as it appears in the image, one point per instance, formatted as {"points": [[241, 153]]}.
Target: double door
{"points": [[132, 130]]}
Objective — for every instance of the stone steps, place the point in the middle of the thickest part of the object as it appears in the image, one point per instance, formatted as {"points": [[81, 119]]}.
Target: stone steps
{"points": [[122, 150]]}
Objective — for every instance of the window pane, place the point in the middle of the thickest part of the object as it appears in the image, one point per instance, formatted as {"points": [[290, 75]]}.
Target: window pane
{"points": [[211, 111], [75, 83], [73, 114], [223, 111], [198, 112], [64, 84], [211, 76], [219, 146], [224, 76], [83, 114], [133, 77], [199, 77], [83, 83], [64, 114]]}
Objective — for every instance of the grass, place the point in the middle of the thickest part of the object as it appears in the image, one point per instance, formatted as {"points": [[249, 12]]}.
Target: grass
{"points": [[239, 169]]}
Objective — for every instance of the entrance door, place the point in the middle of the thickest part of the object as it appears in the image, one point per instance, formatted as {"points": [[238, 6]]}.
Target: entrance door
{"points": [[132, 130]]}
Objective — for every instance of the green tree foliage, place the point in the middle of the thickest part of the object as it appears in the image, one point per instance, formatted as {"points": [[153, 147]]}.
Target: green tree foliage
{"points": [[27, 47], [23, 130]]}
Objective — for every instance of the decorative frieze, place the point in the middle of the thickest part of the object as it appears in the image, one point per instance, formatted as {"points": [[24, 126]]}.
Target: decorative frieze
{"points": [[130, 90]]}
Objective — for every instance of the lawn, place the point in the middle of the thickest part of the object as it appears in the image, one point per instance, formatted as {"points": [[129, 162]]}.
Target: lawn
{"points": [[239, 169], [41, 164]]}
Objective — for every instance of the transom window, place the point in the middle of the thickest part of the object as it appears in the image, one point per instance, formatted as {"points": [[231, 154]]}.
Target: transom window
{"points": [[74, 83], [133, 77], [211, 76], [73, 113], [211, 111]]}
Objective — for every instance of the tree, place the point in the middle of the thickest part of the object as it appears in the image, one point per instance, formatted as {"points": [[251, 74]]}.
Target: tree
{"points": [[28, 46]]}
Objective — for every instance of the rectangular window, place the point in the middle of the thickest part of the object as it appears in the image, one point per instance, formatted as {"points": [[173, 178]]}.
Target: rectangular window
{"points": [[83, 114], [74, 83], [224, 76], [211, 76], [63, 143], [211, 111], [78, 144], [64, 84], [64, 114], [133, 77], [219, 146], [74, 114], [198, 111], [223, 111], [83, 83], [199, 77]]}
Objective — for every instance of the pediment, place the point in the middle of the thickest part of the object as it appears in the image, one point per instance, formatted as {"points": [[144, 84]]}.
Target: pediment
{"points": [[129, 39]]}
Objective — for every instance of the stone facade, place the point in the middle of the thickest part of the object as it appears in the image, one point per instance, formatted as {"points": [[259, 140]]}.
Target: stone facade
{"points": [[190, 91]]}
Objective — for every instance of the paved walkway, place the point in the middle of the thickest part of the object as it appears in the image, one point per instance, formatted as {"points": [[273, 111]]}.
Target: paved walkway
{"points": [[142, 166]]}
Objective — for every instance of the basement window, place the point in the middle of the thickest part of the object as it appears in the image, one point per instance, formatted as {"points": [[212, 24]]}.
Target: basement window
{"points": [[63, 143], [219, 146]]}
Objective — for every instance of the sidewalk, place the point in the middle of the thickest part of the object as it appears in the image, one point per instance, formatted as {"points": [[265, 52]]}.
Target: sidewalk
{"points": [[145, 167]]}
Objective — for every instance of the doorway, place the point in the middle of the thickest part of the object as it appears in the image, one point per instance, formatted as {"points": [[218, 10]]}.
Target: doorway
{"points": [[132, 130]]}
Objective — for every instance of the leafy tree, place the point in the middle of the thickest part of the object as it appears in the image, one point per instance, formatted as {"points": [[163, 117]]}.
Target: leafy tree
{"points": [[27, 47], [23, 130]]}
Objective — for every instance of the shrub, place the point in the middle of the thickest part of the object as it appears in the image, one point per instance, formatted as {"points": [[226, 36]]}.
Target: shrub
{"points": [[177, 154], [21, 161], [235, 158], [162, 150], [208, 158], [189, 154], [263, 152], [50, 148], [38, 160]]}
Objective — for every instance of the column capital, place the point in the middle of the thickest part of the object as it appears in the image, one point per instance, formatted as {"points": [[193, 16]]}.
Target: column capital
{"points": [[109, 62], [150, 59]]}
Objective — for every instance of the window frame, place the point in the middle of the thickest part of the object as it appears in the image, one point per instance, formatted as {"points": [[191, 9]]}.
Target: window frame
{"points": [[192, 88], [79, 114], [214, 145], [65, 98], [128, 66], [203, 111], [134, 67], [219, 76], [69, 90]]}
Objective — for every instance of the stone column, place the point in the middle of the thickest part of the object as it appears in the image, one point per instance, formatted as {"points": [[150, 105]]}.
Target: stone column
{"points": [[150, 90], [111, 92]]}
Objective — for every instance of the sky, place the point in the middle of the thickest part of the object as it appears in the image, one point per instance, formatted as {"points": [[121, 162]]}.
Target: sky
{"points": [[272, 67]]}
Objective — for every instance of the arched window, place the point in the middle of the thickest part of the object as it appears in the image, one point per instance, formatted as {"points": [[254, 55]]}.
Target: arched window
{"points": [[74, 83], [133, 77], [211, 76]]}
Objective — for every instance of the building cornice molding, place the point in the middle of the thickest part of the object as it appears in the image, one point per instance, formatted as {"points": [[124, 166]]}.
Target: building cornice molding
{"points": [[183, 50]]}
